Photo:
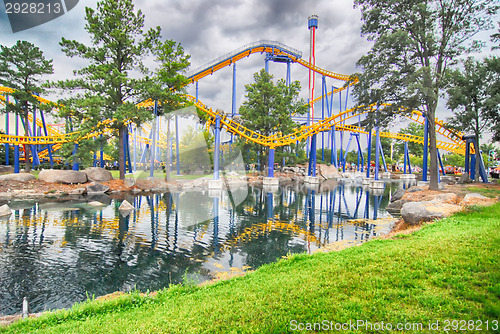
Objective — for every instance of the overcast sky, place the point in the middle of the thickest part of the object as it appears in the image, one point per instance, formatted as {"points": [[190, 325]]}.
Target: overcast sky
{"points": [[208, 29]]}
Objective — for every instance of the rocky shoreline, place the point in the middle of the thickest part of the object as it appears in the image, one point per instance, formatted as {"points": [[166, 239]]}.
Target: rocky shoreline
{"points": [[96, 184]]}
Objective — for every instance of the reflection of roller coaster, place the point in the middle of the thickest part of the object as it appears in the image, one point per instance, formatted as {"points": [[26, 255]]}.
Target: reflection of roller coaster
{"points": [[45, 139]]}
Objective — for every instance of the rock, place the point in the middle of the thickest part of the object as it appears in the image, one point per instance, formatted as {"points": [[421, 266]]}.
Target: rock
{"points": [[464, 178], [144, 185], [476, 199], [398, 194], [96, 203], [77, 191], [22, 177], [328, 172], [98, 174], [449, 198], [414, 189], [396, 206], [5, 211], [126, 207], [415, 212], [129, 182], [100, 197], [62, 176], [97, 188], [6, 169]]}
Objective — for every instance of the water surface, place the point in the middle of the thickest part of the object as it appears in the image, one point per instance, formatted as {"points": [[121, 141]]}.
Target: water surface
{"points": [[57, 254]]}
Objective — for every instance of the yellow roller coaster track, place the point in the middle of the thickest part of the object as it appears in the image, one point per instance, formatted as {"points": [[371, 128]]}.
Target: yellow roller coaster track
{"points": [[57, 139]]}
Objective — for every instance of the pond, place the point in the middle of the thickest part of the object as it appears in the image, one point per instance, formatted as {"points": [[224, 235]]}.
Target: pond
{"points": [[57, 254]]}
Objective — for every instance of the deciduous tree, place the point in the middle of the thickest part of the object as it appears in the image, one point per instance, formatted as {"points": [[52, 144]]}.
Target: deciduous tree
{"points": [[468, 93], [415, 42]]}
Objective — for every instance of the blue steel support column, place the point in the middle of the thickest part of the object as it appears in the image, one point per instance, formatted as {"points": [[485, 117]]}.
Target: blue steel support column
{"points": [[7, 131], [382, 156], [441, 163], [377, 151], [270, 167], [266, 65], [135, 149], [360, 154], [101, 155], [341, 132], [217, 147], [312, 157], [288, 74], [76, 165], [153, 143], [309, 122], [467, 157], [323, 96], [473, 166], [16, 148], [368, 158], [49, 147], [196, 91], [405, 154], [233, 109], [426, 147], [345, 153], [177, 151]]}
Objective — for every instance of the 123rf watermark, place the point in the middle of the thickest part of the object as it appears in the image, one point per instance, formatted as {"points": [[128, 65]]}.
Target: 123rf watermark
{"points": [[364, 325], [26, 14]]}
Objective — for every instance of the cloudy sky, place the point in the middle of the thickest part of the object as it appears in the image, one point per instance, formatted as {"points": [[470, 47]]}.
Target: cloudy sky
{"points": [[208, 29]]}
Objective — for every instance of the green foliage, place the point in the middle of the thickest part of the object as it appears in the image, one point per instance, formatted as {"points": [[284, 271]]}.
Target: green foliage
{"points": [[468, 97], [495, 38], [414, 129], [414, 43], [453, 159], [267, 110], [194, 152], [493, 91], [116, 79], [21, 68]]}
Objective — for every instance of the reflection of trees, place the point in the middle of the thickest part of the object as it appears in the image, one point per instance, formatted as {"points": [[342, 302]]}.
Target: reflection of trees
{"points": [[86, 252]]}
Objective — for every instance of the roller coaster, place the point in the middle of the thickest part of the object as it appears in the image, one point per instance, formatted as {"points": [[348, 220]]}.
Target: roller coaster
{"points": [[45, 139]]}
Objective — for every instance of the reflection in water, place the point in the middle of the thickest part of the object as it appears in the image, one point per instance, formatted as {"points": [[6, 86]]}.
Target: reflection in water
{"points": [[57, 254]]}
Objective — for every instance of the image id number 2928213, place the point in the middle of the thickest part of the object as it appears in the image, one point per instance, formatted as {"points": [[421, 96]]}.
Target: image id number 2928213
{"points": [[33, 8]]}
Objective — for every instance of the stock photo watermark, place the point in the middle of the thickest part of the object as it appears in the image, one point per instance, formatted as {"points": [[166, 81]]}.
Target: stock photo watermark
{"points": [[26, 14]]}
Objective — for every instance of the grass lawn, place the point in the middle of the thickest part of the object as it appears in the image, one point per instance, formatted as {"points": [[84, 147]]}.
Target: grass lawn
{"points": [[449, 270]]}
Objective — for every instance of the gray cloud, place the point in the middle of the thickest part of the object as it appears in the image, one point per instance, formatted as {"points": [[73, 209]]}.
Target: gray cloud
{"points": [[208, 29]]}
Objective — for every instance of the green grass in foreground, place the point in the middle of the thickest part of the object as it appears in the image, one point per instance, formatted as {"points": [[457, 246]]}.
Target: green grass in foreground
{"points": [[448, 270]]}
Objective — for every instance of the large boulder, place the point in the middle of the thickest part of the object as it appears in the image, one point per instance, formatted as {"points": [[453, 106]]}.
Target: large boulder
{"points": [[397, 195], [97, 188], [98, 174], [328, 172], [22, 177], [5, 211], [416, 212], [6, 169], [476, 199], [144, 185], [62, 176]]}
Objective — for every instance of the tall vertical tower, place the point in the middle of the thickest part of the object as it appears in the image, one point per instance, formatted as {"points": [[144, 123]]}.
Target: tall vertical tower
{"points": [[313, 25]]}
